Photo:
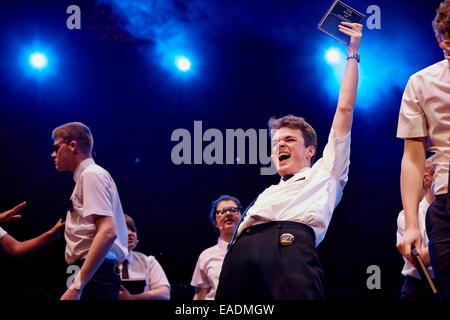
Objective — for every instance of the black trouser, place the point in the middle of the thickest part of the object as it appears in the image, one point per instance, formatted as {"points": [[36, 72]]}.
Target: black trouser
{"points": [[415, 289], [258, 267], [104, 284], [438, 230]]}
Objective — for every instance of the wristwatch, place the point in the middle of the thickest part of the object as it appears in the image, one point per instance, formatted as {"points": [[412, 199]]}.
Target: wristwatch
{"points": [[353, 55]]}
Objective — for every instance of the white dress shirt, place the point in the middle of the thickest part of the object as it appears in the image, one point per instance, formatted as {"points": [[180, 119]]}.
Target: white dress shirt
{"points": [[408, 268], [95, 193], [145, 267], [310, 196], [425, 112], [207, 270], [2, 233]]}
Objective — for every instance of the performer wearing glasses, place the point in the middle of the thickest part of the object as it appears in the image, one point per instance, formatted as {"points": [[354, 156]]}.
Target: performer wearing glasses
{"points": [[96, 233], [225, 214]]}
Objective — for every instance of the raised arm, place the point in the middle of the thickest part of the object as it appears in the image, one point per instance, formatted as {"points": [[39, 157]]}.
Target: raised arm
{"points": [[411, 181], [342, 121]]}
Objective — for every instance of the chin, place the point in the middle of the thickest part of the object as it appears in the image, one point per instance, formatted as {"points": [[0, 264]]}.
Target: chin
{"points": [[283, 171]]}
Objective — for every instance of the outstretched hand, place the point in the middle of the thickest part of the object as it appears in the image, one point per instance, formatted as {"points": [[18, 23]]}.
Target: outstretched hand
{"points": [[56, 230], [10, 214], [353, 30]]}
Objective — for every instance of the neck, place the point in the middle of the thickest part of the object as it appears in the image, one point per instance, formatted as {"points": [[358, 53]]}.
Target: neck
{"points": [[77, 160], [226, 236]]}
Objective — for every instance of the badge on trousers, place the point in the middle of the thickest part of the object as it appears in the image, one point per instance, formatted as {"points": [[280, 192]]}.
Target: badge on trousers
{"points": [[286, 239]]}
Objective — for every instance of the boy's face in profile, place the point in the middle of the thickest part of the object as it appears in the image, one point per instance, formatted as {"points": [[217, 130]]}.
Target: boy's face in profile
{"points": [[444, 43]]}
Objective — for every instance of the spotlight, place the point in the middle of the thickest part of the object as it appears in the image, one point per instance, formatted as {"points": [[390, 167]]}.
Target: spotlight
{"points": [[333, 56], [38, 60], [182, 63]]}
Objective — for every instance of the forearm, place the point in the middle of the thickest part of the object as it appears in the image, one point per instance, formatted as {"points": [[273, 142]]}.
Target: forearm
{"points": [[347, 98], [349, 86], [159, 293], [100, 246], [411, 181], [200, 293], [18, 248]]}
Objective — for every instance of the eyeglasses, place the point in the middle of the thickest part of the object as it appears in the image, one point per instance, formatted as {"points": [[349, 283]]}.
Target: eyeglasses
{"points": [[232, 210], [58, 146]]}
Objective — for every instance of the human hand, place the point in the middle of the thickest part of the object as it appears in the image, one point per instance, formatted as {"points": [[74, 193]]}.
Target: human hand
{"points": [[71, 294], [124, 294], [353, 30], [412, 238], [10, 215], [56, 230]]}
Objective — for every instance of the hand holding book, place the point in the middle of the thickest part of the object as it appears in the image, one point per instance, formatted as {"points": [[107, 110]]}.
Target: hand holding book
{"points": [[339, 12]]}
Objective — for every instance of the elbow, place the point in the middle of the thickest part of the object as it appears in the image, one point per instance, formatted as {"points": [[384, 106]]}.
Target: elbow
{"points": [[161, 293], [345, 108], [14, 251], [166, 294], [110, 234]]}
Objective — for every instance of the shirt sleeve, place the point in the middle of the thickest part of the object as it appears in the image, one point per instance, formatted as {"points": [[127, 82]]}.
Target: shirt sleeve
{"points": [[412, 122], [96, 195], [199, 278], [155, 274], [401, 226], [2, 233], [336, 157]]}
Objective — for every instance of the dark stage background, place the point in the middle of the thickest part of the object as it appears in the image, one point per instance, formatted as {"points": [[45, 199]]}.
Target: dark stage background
{"points": [[250, 60]]}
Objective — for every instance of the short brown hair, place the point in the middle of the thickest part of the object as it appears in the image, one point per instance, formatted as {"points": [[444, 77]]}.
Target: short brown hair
{"points": [[441, 23], [130, 223], [78, 132], [290, 121]]}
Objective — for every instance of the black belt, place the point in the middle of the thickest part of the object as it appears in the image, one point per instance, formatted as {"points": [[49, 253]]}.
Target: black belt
{"points": [[285, 238], [276, 224]]}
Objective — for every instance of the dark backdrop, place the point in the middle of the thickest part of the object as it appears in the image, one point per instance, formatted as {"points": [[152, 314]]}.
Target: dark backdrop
{"points": [[253, 60]]}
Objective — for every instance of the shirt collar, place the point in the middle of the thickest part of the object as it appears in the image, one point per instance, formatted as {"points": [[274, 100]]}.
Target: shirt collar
{"points": [[301, 172], [81, 167], [222, 244], [130, 256]]}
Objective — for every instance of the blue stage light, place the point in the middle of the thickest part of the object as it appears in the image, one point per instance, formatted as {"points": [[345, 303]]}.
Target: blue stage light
{"points": [[182, 63], [333, 56], [38, 60]]}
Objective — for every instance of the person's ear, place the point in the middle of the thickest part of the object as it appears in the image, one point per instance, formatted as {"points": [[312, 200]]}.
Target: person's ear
{"points": [[73, 145], [440, 40], [311, 152]]}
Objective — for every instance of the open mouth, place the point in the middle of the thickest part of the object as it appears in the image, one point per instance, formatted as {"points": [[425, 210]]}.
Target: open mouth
{"points": [[283, 156]]}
